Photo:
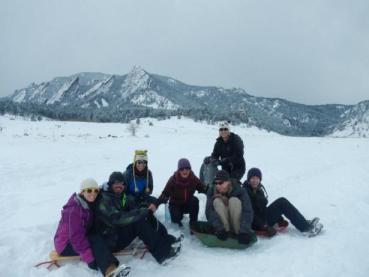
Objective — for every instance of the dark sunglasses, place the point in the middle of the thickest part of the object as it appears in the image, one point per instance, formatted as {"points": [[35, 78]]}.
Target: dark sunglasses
{"points": [[141, 162], [219, 183], [185, 168], [91, 190], [223, 129]]}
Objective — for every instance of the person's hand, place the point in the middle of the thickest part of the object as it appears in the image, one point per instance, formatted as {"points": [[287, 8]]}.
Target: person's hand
{"points": [[222, 235], [93, 265], [244, 238], [152, 208], [207, 160]]}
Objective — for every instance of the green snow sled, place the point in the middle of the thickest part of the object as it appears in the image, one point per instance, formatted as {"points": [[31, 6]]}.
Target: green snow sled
{"points": [[204, 232]]}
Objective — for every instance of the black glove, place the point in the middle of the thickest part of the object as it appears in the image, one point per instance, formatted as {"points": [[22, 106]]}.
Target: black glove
{"points": [[244, 238], [222, 235], [93, 265], [207, 160]]}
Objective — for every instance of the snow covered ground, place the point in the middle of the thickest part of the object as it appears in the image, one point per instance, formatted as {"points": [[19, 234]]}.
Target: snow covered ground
{"points": [[43, 162]]}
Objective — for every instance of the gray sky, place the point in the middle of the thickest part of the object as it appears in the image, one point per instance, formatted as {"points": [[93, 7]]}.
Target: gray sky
{"points": [[313, 52]]}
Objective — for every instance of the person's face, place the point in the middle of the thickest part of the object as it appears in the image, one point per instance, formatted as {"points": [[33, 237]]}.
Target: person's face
{"points": [[90, 194], [117, 187], [224, 133], [222, 186], [185, 172], [254, 182], [140, 165]]}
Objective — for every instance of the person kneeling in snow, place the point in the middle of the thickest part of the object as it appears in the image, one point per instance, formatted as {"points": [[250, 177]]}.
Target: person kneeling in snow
{"points": [[228, 209], [74, 237], [180, 190], [120, 221], [265, 217], [138, 178]]}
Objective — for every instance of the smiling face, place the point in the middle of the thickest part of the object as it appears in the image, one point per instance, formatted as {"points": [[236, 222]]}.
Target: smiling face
{"points": [[141, 165], [224, 133], [184, 172], [117, 187], [254, 182], [222, 186], [90, 194]]}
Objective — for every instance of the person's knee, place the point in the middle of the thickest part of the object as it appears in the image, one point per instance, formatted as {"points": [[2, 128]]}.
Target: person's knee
{"points": [[218, 203], [235, 202], [282, 201]]}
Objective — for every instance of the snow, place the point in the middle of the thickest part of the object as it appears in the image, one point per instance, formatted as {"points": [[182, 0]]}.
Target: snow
{"points": [[154, 100], [19, 97], [104, 103], [137, 79], [60, 93], [43, 163]]}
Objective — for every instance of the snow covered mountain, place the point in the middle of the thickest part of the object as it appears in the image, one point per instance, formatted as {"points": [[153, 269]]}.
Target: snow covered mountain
{"points": [[355, 123], [105, 97]]}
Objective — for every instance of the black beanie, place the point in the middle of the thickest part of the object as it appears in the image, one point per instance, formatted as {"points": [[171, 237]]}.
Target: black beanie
{"points": [[254, 172], [222, 175], [116, 176]]}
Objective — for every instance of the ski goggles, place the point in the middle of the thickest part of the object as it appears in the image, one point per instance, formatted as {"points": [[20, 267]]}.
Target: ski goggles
{"points": [[223, 129]]}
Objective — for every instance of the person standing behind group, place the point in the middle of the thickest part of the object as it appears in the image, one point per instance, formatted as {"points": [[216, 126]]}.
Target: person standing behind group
{"points": [[138, 178], [180, 190], [228, 152]]}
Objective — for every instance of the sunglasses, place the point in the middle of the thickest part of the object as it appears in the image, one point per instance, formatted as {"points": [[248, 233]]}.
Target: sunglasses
{"points": [[223, 129], [219, 183], [91, 190], [185, 168], [141, 162]]}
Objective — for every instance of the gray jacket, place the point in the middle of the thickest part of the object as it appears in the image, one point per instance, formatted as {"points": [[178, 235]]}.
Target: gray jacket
{"points": [[247, 213]]}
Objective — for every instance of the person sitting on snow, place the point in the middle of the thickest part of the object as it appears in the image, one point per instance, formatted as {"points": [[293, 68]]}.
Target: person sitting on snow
{"points": [[119, 221], [228, 152], [180, 190], [138, 178], [265, 217], [74, 237], [228, 209]]}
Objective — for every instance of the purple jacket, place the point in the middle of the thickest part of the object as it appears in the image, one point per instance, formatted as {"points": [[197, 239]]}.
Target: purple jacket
{"points": [[76, 217]]}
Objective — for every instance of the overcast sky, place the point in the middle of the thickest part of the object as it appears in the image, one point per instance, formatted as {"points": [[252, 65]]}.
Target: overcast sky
{"points": [[312, 52]]}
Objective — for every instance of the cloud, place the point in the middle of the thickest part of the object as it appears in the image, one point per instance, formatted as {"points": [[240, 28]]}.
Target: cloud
{"points": [[305, 51]]}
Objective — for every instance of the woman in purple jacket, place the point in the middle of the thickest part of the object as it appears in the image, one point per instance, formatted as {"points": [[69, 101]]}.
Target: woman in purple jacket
{"points": [[73, 236]]}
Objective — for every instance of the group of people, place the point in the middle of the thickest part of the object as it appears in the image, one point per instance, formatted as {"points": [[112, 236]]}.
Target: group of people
{"points": [[100, 220]]}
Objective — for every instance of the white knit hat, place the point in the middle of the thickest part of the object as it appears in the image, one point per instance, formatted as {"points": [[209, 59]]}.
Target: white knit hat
{"points": [[224, 124], [89, 183]]}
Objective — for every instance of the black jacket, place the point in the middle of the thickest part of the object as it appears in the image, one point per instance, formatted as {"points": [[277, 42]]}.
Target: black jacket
{"points": [[259, 202], [232, 149], [246, 214], [113, 212]]}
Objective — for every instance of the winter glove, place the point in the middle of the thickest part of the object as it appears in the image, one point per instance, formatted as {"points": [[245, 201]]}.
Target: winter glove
{"points": [[222, 235], [207, 160], [93, 265], [244, 238], [270, 231]]}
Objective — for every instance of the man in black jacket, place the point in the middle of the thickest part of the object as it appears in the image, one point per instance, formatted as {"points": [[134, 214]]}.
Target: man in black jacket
{"points": [[265, 217], [228, 152], [119, 222]]}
